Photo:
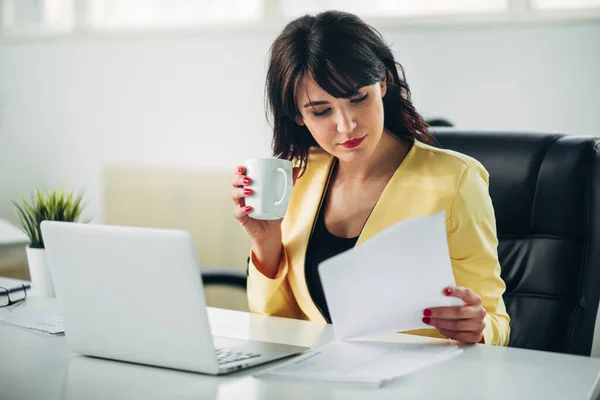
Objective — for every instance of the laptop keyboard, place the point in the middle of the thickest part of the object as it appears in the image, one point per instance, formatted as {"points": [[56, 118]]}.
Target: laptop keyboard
{"points": [[226, 356]]}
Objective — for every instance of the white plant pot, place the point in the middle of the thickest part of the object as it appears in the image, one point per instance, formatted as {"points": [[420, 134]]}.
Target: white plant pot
{"points": [[41, 281]]}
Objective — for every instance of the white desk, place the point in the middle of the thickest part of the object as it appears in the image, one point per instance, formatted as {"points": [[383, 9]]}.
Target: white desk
{"points": [[34, 366]]}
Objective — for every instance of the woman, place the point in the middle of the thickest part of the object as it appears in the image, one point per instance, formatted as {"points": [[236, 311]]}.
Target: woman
{"points": [[342, 112]]}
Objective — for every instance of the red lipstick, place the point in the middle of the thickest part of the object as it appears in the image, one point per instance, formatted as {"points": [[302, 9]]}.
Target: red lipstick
{"points": [[352, 143]]}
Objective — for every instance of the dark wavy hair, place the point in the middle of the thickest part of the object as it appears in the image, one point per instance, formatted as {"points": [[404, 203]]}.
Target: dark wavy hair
{"points": [[340, 52]]}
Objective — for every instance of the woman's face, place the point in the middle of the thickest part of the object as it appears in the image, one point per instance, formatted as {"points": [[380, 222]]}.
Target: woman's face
{"points": [[348, 129]]}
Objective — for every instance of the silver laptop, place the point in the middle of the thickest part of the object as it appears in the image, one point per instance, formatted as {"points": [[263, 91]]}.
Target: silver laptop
{"points": [[136, 294]]}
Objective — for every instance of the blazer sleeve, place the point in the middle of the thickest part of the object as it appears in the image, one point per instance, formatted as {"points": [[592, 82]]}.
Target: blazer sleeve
{"points": [[473, 245], [271, 296]]}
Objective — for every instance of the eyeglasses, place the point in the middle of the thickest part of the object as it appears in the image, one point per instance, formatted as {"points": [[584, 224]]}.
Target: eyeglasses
{"points": [[8, 299]]}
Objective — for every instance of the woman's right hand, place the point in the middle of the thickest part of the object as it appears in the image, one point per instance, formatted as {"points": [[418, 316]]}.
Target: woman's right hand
{"points": [[265, 235], [260, 231]]}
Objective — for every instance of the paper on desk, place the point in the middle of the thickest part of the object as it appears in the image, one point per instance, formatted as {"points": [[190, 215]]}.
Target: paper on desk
{"points": [[12, 285], [384, 284], [40, 320], [368, 363], [378, 287]]}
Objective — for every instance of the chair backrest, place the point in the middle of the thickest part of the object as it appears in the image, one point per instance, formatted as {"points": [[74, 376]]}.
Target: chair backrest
{"points": [[546, 194]]}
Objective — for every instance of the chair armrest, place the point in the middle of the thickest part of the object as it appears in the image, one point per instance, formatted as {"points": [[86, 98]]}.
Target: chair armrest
{"points": [[227, 277]]}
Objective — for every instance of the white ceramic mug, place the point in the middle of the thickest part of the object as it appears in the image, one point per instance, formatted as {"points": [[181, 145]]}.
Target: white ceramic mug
{"points": [[271, 184]]}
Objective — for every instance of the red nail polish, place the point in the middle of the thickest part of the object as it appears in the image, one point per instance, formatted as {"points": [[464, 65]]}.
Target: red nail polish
{"points": [[246, 181], [427, 312], [426, 320], [240, 170], [248, 208], [447, 291], [247, 191]]}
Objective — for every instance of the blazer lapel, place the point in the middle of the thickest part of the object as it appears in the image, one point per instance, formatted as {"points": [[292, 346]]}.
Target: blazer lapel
{"points": [[299, 227], [386, 213]]}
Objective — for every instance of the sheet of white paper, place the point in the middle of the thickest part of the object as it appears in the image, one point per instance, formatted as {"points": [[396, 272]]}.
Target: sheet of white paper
{"points": [[40, 320], [384, 284], [362, 362], [12, 284]]}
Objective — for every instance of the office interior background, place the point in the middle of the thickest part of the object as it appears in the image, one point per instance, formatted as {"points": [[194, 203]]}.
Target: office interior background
{"points": [[147, 106]]}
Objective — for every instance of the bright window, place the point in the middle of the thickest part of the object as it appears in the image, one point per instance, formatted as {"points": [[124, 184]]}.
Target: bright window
{"points": [[565, 4], [41, 16], [393, 8], [37, 15], [163, 13]]}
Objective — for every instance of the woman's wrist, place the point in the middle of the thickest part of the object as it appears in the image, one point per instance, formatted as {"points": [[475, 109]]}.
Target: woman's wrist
{"points": [[267, 257]]}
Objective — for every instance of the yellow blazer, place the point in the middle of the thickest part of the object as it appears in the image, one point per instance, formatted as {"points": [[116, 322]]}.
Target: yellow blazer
{"points": [[428, 181]]}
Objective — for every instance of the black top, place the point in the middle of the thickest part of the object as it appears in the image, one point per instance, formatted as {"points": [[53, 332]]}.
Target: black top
{"points": [[321, 246]]}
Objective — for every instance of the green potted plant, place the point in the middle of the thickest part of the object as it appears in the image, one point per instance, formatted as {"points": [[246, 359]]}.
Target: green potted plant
{"points": [[54, 205]]}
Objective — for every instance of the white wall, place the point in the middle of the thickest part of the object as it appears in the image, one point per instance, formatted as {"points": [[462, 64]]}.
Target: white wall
{"points": [[70, 106]]}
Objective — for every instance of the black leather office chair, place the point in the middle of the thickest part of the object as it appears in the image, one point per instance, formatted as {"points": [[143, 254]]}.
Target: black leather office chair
{"points": [[225, 277], [546, 194]]}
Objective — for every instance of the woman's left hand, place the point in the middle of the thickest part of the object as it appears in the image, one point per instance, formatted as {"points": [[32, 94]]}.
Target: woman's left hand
{"points": [[463, 323]]}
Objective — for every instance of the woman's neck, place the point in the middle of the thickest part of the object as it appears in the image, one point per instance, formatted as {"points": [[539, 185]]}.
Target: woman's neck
{"points": [[387, 157]]}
